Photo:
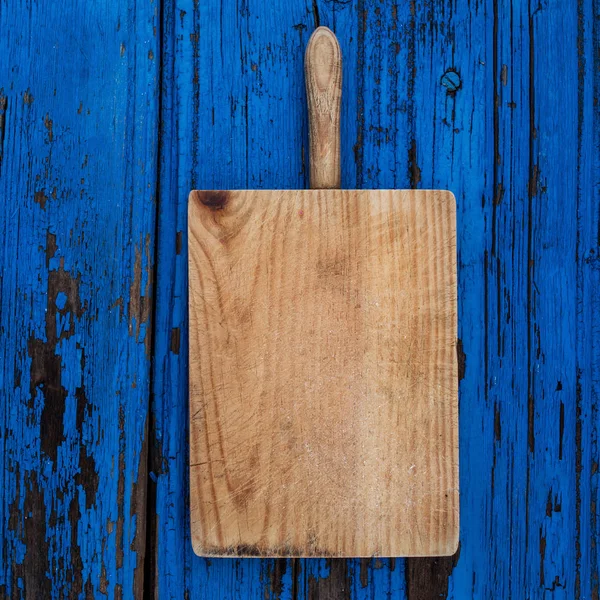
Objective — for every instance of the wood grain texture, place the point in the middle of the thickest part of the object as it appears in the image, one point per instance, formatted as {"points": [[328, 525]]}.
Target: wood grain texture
{"points": [[323, 72], [323, 373]]}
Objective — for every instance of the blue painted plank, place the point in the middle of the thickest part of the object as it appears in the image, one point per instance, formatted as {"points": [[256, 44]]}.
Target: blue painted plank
{"points": [[78, 114], [502, 252], [476, 149], [549, 554], [587, 387], [358, 579]]}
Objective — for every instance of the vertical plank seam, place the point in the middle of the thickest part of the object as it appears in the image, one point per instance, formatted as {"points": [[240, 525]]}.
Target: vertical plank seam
{"points": [[579, 298], [360, 102], [150, 563], [493, 249], [530, 270]]}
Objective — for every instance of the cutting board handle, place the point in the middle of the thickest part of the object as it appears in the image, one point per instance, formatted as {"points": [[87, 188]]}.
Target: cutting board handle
{"points": [[323, 72]]}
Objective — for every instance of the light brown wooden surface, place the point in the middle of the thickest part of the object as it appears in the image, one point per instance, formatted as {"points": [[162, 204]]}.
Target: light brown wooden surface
{"points": [[323, 373], [323, 75]]}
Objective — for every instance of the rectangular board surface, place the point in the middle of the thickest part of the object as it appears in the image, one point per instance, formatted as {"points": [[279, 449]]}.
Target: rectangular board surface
{"points": [[323, 373]]}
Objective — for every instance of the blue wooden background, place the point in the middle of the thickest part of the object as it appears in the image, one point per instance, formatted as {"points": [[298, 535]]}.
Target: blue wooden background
{"points": [[110, 112]]}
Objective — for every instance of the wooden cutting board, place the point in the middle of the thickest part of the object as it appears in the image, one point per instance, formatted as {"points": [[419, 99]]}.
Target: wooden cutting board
{"points": [[323, 368]]}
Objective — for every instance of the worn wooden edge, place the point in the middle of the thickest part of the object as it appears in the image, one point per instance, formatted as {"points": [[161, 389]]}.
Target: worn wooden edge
{"points": [[218, 199]]}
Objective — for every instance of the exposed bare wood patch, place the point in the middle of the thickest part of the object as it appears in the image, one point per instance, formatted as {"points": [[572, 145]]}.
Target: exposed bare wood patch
{"points": [[323, 373]]}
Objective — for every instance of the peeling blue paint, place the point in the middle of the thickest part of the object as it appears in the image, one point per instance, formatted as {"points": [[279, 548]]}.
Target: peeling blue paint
{"points": [[494, 101]]}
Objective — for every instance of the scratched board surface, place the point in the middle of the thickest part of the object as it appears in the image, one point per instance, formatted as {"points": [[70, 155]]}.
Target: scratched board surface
{"points": [[111, 114]]}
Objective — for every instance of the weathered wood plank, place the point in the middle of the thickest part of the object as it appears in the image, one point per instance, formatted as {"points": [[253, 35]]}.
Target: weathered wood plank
{"points": [[360, 579], [587, 385], [451, 94], [77, 177], [551, 538]]}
